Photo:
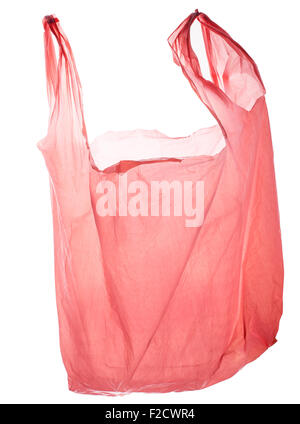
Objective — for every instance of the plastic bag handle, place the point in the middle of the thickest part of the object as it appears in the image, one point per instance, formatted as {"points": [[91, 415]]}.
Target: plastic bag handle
{"points": [[219, 94], [61, 74], [184, 56]]}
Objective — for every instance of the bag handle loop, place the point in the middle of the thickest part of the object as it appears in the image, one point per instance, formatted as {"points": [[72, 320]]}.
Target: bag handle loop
{"points": [[236, 82], [63, 83]]}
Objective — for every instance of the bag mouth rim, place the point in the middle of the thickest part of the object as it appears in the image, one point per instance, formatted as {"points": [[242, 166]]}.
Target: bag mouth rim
{"points": [[117, 167]]}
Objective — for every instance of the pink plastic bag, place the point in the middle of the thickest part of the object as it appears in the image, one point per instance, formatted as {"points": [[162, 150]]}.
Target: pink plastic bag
{"points": [[148, 301]]}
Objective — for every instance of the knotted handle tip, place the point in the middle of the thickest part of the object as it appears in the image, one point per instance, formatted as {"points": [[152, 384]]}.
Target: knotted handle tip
{"points": [[50, 19]]}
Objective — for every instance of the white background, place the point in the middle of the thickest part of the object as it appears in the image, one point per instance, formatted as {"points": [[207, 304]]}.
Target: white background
{"points": [[127, 72]]}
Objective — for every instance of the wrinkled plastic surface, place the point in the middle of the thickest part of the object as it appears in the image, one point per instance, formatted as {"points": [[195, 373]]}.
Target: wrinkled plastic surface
{"points": [[144, 303]]}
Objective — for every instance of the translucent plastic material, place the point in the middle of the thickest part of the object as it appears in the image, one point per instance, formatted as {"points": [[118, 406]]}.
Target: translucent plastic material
{"points": [[146, 303]]}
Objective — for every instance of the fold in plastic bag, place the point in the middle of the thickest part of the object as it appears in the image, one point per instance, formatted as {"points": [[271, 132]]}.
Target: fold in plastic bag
{"points": [[147, 303]]}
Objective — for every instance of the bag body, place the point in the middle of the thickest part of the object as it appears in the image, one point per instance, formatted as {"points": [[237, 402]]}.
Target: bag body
{"points": [[146, 302]]}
